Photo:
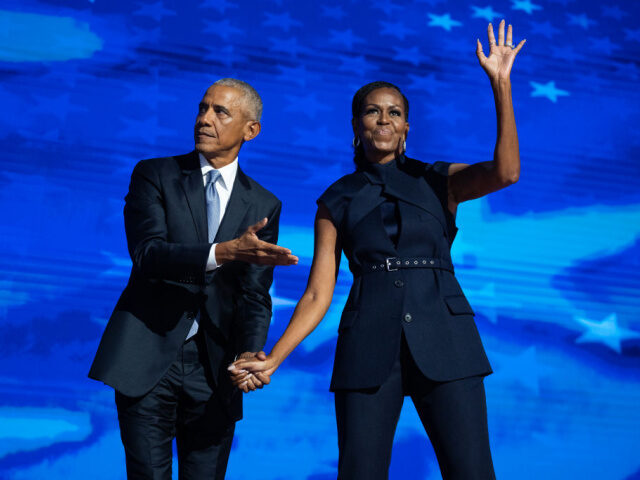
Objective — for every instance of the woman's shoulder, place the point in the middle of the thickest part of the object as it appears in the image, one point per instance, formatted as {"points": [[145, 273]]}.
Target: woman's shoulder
{"points": [[345, 185], [338, 195]]}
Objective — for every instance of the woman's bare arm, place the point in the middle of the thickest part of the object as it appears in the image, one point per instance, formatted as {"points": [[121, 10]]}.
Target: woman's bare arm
{"points": [[467, 182], [311, 307]]}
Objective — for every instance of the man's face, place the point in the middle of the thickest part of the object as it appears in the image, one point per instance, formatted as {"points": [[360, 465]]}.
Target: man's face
{"points": [[222, 124]]}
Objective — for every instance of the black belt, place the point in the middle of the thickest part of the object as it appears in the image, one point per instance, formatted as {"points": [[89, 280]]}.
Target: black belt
{"points": [[391, 264]]}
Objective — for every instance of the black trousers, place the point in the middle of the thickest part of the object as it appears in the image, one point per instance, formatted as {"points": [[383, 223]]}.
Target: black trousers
{"points": [[454, 415], [183, 405]]}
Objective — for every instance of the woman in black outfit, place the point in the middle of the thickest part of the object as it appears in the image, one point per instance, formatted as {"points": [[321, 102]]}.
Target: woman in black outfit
{"points": [[407, 328]]}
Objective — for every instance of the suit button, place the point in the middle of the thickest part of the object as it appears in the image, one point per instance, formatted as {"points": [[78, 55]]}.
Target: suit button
{"points": [[399, 283], [408, 318]]}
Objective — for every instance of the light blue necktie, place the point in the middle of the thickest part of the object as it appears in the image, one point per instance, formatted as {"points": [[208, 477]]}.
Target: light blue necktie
{"points": [[213, 222], [213, 204]]}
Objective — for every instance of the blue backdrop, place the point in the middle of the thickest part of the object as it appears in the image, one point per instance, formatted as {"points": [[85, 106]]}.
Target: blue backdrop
{"points": [[551, 265]]}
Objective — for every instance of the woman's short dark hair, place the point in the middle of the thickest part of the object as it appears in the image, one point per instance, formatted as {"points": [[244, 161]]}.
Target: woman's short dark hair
{"points": [[356, 108]]}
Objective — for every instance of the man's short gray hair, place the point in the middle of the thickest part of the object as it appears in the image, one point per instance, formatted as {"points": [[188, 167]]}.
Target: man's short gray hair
{"points": [[254, 102]]}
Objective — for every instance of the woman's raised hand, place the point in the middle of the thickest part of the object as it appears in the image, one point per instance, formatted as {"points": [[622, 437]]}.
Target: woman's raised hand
{"points": [[502, 54]]}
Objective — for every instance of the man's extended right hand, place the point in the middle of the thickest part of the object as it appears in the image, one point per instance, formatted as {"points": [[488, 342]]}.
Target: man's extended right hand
{"points": [[249, 248]]}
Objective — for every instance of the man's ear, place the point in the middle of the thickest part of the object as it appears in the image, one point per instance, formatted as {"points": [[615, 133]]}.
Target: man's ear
{"points": [[251, 131]]}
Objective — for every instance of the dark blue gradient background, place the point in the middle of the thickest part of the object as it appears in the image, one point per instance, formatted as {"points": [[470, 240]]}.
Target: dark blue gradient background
{"points": [[551, 265]]}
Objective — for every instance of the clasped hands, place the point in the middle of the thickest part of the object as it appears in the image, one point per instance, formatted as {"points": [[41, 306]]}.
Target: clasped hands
{"points": [[252, 370]]}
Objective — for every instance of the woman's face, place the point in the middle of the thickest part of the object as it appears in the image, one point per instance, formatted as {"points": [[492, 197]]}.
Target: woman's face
{"points": [[382, 127]]}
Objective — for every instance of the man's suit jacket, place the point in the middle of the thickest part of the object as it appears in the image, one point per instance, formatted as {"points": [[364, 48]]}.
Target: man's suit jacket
{"points": [[167, 235], [425, 303]]}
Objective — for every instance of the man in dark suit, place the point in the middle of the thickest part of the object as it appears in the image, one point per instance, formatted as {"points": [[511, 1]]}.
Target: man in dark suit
{"points": [[201, 235]]}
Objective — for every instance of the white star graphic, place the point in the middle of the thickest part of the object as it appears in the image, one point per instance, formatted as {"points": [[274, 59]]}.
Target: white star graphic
{"points": [[606, 332], [525, 6], [488, 13], [548, 90], [445, 21]]}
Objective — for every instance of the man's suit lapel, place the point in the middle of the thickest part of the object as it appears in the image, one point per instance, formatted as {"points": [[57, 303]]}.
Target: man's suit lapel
{"points": [[193, 187], [237, 208], [194, 191]]}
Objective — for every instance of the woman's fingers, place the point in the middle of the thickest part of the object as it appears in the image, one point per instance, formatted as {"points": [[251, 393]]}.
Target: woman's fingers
{"points": [[517, 49], [479, 52], [509, 36], [492, 38], [501, 33], [248, 365]]}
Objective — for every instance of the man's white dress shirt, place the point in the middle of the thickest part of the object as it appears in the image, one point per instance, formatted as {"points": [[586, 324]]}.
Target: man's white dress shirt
{"points": [[223, 187]]}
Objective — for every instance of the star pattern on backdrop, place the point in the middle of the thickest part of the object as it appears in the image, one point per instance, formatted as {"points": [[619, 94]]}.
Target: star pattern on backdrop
{"points": [[581, 20], [387, 7], [509, 368], [488, 13], [357, 65], [606, 332], [220, 5], [396, 29], [631, 35], [298, 75], [425, 83], [335, 12], [546, 29], [566, 53], [287, 45], [227, 55], [548, 90], [525, 5], [613, 11], [345, 37], [307, 60], [604, 45], [222, 28], [281, 20], [444, 21], [411, 55]]}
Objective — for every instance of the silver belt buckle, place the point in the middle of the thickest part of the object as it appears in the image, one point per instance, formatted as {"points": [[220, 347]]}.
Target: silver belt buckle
{"points": [[388, 261]]}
